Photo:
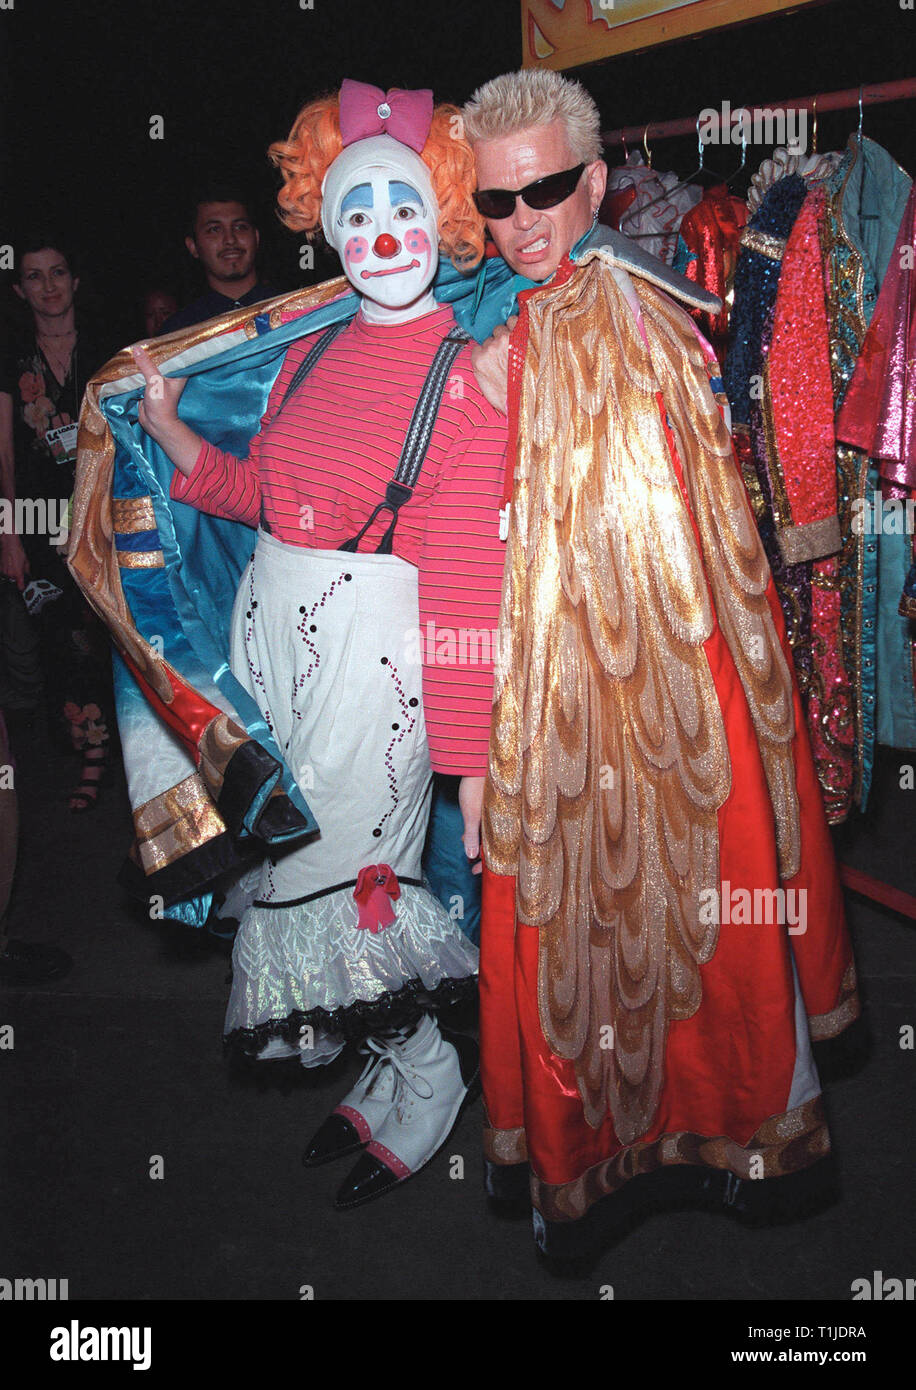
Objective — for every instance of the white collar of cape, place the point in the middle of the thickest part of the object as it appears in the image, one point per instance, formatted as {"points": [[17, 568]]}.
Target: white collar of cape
{"points": [[626, 258]]}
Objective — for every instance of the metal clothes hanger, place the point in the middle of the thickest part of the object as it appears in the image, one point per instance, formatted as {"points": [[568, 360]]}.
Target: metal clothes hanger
{"points": [[699, 170], [814, 132], [863, 216], [743, 165]]}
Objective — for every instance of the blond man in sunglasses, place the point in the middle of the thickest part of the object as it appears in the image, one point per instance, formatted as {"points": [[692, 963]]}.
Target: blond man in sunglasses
{"points": [[663, 931]]}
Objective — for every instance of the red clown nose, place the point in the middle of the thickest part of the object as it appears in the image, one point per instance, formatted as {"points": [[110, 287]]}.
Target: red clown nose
{"points": [[386, 245]]}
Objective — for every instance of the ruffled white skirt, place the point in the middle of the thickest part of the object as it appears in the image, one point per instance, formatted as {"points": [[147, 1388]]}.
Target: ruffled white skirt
{"points": [[327, 644]]}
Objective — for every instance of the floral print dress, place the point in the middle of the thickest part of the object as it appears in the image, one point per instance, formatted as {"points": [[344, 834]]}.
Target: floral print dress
{"points": [[75, 653]]}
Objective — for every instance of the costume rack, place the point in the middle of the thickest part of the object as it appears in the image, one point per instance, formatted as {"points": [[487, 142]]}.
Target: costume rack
{"points": [[872, 94]]}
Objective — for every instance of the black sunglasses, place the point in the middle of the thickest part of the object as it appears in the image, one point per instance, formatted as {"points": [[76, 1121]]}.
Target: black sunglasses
{"points": [[497, 203]]}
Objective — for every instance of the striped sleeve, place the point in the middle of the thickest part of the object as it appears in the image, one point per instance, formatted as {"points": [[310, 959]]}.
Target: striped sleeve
{"points": [[220, 483], [461, 569]]}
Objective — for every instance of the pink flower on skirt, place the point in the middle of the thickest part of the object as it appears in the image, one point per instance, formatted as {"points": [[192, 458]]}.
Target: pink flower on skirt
{"points": [[376, 887]]}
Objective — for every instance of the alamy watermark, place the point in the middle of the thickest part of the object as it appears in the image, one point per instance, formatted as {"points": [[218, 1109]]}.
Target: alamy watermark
{"points": [[755, 907], [35, 516], [33, 1290], [883, 516], [431, 645], [79, 1342], [764, 125]]}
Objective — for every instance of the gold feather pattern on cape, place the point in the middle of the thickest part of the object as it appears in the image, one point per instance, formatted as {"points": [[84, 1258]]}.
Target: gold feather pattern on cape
{"points": [[608, 753]]}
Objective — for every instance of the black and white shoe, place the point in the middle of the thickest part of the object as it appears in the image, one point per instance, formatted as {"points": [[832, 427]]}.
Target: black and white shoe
{"points": [[352, 1124], [436, 1074]]}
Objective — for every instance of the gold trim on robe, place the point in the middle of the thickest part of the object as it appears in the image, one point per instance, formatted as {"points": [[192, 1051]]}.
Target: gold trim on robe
{"points": [[141, 559], [783, 1144], [132, 514], [764, 242], [505, 1146], [174, 823]]}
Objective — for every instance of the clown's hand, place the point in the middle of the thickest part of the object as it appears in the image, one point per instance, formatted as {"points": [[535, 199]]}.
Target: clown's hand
{"points": [[470, 800], [490, 360], [158, 413], [159, 404]]}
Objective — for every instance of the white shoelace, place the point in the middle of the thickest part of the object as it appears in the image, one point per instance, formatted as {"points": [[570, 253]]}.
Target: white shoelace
{"points": [[382, 1052]]}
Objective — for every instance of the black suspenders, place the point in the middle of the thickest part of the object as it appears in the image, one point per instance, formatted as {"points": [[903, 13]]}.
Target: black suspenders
{"points": [[416, 443], [419, 431], [318, 349]]}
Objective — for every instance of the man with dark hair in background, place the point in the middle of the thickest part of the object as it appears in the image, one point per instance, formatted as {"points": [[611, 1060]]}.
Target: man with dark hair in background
{"points": [[222, 236]]}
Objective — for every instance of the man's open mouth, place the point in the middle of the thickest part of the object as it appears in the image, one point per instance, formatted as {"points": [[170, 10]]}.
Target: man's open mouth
{"points": [[539, 244], [392, 270]]}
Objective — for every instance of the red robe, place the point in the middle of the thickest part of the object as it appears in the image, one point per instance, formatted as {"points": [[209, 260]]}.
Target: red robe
{"points": [[713, 1048]]}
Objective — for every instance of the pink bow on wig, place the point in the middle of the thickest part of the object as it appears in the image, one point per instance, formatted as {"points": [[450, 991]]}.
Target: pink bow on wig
{"points": [[404, 115]]}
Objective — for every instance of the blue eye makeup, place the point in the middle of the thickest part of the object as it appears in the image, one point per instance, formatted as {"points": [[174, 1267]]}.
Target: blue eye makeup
{"points": [[403, 193], [358, 197]]}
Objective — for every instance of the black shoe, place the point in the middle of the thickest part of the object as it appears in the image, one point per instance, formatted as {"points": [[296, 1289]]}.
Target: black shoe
{"points": [[360, 1114], [369, 1179], [751, 1202], [27, 963], [336, 1138], [508, 1186]]}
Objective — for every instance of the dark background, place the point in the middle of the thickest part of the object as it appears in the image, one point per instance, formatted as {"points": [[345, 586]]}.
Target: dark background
{"points": [[122, 1059], [228, 77]]}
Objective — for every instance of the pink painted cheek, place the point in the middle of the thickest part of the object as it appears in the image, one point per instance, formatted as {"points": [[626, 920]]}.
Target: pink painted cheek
{"points": [[417, 242], [356, 250]]}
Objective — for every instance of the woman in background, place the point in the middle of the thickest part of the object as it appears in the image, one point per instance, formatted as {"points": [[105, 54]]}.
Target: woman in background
{"points": [[44, 370]]}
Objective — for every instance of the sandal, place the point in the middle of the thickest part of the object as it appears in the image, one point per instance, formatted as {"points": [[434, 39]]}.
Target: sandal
{"points": [[85, 796]]}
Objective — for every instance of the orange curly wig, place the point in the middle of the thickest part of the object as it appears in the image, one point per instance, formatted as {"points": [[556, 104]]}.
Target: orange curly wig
{"points": [[314, 143]]}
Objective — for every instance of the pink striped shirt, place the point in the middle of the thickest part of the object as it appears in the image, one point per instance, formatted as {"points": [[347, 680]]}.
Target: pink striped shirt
{"points": [[322, 467]]}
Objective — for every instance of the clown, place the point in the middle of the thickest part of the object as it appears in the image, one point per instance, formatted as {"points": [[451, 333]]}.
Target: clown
{"points": [[375, 481]]}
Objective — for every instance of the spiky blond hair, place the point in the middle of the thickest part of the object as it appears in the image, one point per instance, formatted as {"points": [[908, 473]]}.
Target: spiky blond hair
{"points": [[533, 97]]}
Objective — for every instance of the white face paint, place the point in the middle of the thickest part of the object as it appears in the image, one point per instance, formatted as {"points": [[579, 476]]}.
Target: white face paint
{"points": [[386, 235]]}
